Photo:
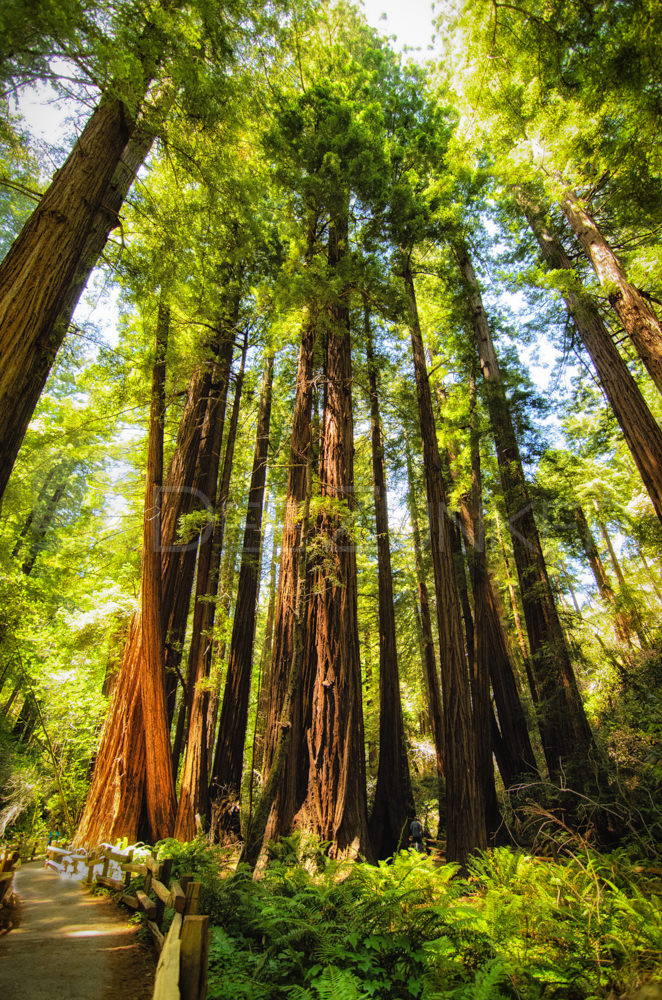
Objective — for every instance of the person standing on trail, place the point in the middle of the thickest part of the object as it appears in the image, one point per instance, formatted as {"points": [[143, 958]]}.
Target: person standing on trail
{"points": [[416, 831]]}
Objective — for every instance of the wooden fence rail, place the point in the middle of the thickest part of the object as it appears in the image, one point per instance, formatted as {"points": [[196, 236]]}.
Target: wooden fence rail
{"points": [[181, 973], [9, 862]]}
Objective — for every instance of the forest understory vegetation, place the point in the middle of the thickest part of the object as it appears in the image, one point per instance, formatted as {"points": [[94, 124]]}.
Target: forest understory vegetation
{"points": [[331, 481]]}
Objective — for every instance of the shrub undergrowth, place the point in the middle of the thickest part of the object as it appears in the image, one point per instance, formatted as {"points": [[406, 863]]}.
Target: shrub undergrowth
{"points": [[516, 926]]}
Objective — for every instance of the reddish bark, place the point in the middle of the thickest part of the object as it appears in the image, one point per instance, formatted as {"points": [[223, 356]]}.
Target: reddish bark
{"points": [[636, 314], [567, 739], [229, 756], [179, 560], [335, 807], [640, 429], [431, 674], [193, 803], [256, 833], [464, 804], [219, 535], [159, 787], [287, 799], [516, 759], [393, 806], [45, 270], [114, 803]]}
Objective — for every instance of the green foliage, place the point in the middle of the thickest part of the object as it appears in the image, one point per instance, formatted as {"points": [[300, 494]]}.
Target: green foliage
{"points": [[516, 927]]}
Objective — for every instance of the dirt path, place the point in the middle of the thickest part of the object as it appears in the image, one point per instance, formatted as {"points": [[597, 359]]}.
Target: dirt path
{"points": [[71, 945]]}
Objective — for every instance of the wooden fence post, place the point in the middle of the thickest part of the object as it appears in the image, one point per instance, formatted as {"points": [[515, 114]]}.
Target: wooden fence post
{"points": [[193, 957], [164, 872], [192, 899]]}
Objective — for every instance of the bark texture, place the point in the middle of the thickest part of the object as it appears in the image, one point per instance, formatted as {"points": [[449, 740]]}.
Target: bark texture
{"points": [[472, 506], [47, 268], [393, 806], [256, 833], [567, 739], [335, 807], [193, 805], [229, 756], [160, 786], [464, 803], [515, 756], [640, 429], [291, 789], [431, 674], [637, 315], [114, 804]]}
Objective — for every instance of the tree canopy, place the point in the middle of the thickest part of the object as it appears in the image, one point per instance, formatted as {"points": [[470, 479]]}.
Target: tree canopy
{"points": [[330, 429]]}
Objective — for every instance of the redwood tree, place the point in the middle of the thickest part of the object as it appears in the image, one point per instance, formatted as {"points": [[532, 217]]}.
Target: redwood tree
{"points": [[567, 739], [393, 805], [160, 786], [291, 788], [45, 269], [465, 829], [637, 315], [431, 674], [113, 807], [193, 799], [229, 756], [335, 807], [640, 429]]}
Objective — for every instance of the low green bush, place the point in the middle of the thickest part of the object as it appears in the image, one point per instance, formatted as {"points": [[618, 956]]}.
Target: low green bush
{"points": [[516, 926]]}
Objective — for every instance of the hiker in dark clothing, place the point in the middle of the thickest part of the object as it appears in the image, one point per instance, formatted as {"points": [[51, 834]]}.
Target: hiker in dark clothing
{"points": [[416, 831]]}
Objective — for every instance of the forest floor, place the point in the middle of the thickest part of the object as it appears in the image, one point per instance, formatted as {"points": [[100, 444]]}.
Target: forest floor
{"points": [[68, 944]]}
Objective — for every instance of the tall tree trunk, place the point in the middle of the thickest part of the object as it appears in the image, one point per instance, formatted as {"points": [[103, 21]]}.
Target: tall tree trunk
{"points": [[464, 804], [483, 652], [46, 518], [631, 609], [640, 429], [393, 806], [229, 757], [459, 561], [29, 521], [219, 535], [193, 795], [159, 786], [47, 267], [286, 801], [267, 651], [179, 561], [114, 803], [256, 834], [515, 756], [635, 313], [514, 606], [113, 806], [188, 561], [432, 679], [335, 807], [602, 581], [567, 739]]}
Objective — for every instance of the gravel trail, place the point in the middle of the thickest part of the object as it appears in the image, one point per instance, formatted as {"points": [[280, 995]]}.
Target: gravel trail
{"points": [[71, 945]]}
